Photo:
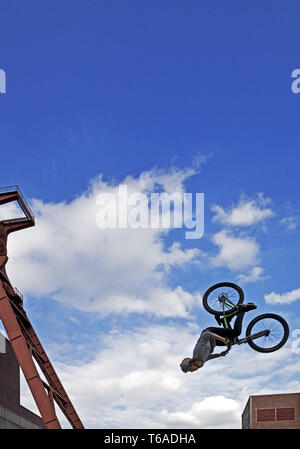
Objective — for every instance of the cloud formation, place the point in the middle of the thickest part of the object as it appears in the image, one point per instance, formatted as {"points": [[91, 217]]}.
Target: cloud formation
{"points": [[246, 213], [225, 411], [283, 298], [102, 270], [290, 223], [235, 253], [255, 274]]}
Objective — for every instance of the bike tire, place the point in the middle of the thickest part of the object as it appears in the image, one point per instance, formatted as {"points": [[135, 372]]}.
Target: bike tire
{"points": [[210, 298], [277, 326]]}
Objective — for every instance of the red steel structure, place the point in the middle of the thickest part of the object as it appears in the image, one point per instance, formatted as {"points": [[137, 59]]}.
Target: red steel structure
{"points": [[24, 341]]}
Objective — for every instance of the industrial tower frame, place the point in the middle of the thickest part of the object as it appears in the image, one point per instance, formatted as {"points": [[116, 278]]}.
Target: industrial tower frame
{"points": [[20, 332]]}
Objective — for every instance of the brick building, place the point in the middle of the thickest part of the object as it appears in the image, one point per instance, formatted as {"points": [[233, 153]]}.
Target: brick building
{"points": [[12, 414], [272, 411]]}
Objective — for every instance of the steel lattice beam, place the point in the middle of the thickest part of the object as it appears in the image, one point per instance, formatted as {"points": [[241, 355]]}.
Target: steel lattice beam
{"points": [[21, 334]]}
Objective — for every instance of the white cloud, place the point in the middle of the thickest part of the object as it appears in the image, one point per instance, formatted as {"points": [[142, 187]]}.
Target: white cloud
{"points": [[226, 414], [176, 256], [132, 375], [246, 213], [101, 270], [236, 253], [284, 298], [290, 223], [255, 275]]}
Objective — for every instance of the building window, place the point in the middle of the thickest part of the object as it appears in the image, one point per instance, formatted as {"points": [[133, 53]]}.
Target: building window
{"points": [[278, 414], [265, 414], [285, 414]]}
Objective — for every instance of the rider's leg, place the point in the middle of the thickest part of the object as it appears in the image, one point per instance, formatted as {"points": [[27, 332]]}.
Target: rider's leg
{"points": [[229, 331], [223, 332], [237, 328], [220, 321], [243, 308]]}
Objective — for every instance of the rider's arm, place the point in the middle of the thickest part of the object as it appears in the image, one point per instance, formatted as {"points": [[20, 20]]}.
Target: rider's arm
{"points": [[215, 356]]}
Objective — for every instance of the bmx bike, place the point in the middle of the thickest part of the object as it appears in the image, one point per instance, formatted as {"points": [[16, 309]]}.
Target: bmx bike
{"points": [[265, 333]]}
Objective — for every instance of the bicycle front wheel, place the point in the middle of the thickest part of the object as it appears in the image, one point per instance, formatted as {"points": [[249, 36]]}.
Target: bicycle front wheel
{"points": [[278, 332], [222, 298]]}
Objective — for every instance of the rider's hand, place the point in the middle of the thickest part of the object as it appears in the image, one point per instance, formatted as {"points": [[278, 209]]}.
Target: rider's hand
{"points": [[226, 341]]}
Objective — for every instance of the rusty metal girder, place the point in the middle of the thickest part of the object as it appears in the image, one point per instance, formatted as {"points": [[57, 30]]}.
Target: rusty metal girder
{"points": [[21, 334]]}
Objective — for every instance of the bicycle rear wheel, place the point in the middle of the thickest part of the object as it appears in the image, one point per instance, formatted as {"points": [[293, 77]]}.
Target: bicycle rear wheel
{"points": [[223, 297], [278, 332]]}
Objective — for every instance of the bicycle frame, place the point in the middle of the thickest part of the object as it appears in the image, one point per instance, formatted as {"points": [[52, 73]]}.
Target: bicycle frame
{"points": [[227, 302]]}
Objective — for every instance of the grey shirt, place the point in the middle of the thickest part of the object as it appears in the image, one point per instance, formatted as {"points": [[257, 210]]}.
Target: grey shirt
{"points": [[205, 347]]}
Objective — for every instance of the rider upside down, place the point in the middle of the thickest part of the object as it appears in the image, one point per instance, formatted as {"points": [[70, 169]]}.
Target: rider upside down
{"points": [[212, 337]]}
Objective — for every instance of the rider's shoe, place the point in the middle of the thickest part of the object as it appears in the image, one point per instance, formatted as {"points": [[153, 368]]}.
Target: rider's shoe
{"points": [[218, 319], [248, 306]]}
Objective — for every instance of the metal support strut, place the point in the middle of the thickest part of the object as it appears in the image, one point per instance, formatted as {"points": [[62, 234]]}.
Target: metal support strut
{"points": [[21, 334]]}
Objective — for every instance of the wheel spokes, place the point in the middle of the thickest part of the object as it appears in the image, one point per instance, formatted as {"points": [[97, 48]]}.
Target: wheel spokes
{"points": [[276, 332], [227, 296]]}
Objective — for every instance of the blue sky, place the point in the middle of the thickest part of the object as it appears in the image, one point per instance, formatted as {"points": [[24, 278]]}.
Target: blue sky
{"points": [[121, 89]]}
